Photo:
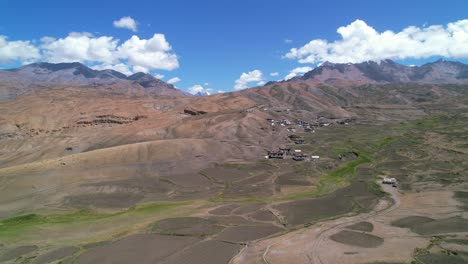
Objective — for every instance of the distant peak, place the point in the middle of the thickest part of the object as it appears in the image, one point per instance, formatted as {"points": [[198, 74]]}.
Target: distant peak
{"points": [[56, 66], [201, 93], [140, 75], [388, 61], [327, 64]]}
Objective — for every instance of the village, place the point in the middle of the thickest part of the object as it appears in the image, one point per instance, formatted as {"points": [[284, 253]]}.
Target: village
{"points": [[299, 126]]}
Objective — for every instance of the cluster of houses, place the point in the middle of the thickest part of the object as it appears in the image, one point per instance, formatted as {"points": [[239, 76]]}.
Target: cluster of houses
{"points": [[291, 127], [308, 127], [287, 152], [282, 122]]}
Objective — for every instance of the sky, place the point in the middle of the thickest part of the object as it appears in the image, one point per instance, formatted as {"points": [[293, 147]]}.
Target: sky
{"points": [[227, 45]]}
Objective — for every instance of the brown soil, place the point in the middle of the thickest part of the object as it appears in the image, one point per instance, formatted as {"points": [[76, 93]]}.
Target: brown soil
{"points": [[224, 210], [102, 200], [56, 254], [357, 239], [411, 221], [16, 252], [223, 174], [263, 215], [143, 248], [247, 233], [442, 226], [245, 209], [192, 226], [361, 226], [440, 259], [206, 252], [233, 220], [337, 203]]}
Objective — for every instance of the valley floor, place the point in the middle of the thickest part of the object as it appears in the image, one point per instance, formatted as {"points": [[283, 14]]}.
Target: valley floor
{"points": [[331, 210]]}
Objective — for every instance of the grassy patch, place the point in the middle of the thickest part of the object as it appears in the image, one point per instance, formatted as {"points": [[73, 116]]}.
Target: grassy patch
{"points": [[334, 180], [15, 226]]}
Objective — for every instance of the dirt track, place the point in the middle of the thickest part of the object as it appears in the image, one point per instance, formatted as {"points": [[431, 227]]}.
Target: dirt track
{"points": [[306, 245], [382, 208]]}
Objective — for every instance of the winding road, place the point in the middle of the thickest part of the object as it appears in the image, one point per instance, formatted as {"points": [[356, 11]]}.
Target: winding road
{"points": [[382, 208], [315, 247]]}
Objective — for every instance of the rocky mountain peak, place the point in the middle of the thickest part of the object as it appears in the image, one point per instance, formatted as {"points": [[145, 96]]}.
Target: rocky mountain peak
{"points": [[388, 71]]}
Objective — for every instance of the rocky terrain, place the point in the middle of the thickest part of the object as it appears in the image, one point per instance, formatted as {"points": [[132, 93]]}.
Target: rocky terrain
{"points": [[44, 76], [387, 71], [151, 167]]}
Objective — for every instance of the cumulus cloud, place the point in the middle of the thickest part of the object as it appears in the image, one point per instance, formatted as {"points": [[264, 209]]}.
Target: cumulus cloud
{"points": [[126, 22], [360, 42], [104, 52], [173, 80], [249, 77], [197, 88], [153, 53], [82, 47], [297, 71], [159, 76], [274, 74], [13, 51]]}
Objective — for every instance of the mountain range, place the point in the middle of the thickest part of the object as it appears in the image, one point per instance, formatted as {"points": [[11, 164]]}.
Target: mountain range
{"points": [[37, 76], [387, 71], [75, 138], [42, 75]]}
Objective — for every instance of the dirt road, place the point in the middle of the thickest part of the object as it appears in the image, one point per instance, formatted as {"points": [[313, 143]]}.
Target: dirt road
{"points": [[383, 207], [307, 245]]}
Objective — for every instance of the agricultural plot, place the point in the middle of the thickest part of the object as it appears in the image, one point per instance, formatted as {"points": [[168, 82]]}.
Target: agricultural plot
{"points": [[358, 239]]}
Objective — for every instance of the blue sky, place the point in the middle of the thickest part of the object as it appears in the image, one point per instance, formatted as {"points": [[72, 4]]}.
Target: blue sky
{"points": [[216, 41]]}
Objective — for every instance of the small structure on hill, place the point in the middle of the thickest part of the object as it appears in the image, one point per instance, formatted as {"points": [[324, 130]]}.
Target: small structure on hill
{"points": [[315, 157], [299, 141], [293, 137], [286, 150], [275, 155], [299, 157]]}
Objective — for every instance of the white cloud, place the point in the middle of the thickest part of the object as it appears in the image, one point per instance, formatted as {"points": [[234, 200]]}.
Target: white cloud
{"points": [[150, 53], [297, 71], [120, 67], [12, 51], [137, 68], [139, 55], [197, 88], [288, 41], [249, 77], [274, 74], [158, 76], [173, 80], [126, 22], [82, 47], [360, 42], [133, 55]]}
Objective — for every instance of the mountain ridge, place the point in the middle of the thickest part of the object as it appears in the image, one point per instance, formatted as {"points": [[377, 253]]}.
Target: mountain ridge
{"points": [[28, 77], [388, 71]]}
